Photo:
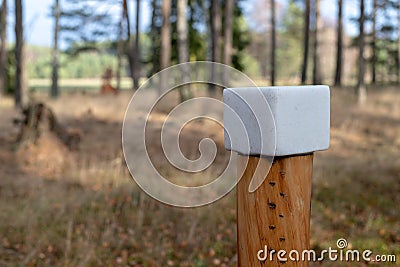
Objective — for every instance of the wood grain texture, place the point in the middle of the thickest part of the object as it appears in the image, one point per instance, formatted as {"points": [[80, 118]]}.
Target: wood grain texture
{"points": [[277, 214]]}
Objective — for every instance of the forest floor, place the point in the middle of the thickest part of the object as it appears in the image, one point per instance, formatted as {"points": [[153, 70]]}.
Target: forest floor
{"points": [[81, 208]]}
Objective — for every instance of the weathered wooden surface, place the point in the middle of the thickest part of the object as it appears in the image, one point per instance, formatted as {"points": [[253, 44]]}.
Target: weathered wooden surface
{"points": [[277, 214]]}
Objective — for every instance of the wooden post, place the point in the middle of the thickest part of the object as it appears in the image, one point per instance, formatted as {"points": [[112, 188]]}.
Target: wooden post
{"points": [[283, 126], [277, 214]]}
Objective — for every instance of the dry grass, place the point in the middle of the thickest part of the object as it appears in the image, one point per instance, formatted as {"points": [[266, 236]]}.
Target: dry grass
{"points": [[62, 208]]}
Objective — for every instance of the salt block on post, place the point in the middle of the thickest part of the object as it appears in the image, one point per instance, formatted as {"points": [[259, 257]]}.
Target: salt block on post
{"points": [[301, 117], [287, 124]]}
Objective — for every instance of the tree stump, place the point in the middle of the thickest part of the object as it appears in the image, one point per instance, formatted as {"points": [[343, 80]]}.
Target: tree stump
{"points": [[37, 118]]}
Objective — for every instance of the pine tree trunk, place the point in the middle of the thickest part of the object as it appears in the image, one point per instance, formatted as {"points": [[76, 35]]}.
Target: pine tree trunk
{"points": [[166, 34], [136, 57], [398, 45], [215, 41], [306, 41], [215, 30], [374, 56], [165, 40], [20, 86], [228, 38], [273, 43], [227, 60], [128, 51], [207, 18], [361, 89], [155, 61], [316, 59], [3, 48], [339, 45], [120, 45], [183, 47], [54, 85]]}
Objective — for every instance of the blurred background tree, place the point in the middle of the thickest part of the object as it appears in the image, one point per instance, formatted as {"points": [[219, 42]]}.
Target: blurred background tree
{"points": [[3, 47], [19, 52], [276, 41]]}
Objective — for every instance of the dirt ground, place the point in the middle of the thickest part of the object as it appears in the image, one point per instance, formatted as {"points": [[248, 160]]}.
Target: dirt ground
{"points": [[81, 208]]}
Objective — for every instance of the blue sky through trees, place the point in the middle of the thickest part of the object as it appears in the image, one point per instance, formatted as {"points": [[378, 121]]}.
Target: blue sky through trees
{"points": [[39, 24]]}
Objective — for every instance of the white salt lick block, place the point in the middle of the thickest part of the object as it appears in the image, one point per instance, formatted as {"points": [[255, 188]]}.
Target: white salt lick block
{"points": [[277, 121]]}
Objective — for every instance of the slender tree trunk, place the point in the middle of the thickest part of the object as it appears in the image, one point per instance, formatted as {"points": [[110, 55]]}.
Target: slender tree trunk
{"points": [[339, 45], [261, 46], [361, 90], [166, 34], [374, 56], [3, 48], [316, 59], [20, 86], [182, 26], [165, 40], [398, 44], [183, 47], [120, 46], [136, 57], [127, 20], [215, 41], [54, 85], [127, 48], [215, 31], [228, 37], [388, 66], [206, 8], [306, 41], [273, 43], [227, 60], [154, 37]]}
